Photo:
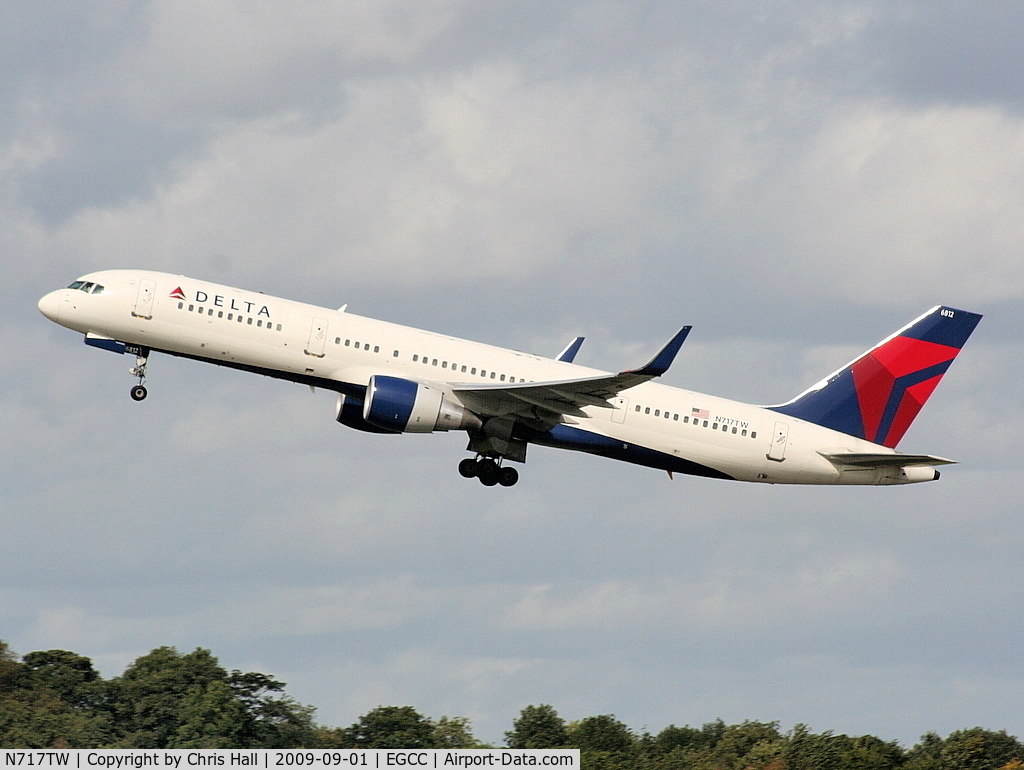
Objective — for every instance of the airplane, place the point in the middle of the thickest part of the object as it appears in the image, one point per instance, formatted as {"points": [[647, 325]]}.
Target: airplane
{"points": [[393, 379]]}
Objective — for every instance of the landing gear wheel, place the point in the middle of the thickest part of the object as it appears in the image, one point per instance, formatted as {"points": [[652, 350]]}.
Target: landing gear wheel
{"points": [[487, 471], [468, 468], [507, 476], [139, 392]]}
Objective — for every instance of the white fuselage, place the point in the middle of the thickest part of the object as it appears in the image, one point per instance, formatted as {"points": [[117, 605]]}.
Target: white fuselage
{"points": [[342, 351]]}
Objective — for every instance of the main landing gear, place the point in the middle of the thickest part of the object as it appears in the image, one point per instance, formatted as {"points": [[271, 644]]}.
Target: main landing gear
{"points": [[139, 391], [488, 471]]}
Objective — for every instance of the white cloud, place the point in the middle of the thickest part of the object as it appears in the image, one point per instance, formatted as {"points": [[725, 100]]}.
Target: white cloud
{"points": [[219, 56], [890, 203], [736, 599], [420, 181]]}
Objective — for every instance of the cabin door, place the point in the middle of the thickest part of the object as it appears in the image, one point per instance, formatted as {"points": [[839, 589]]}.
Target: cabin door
{"points": [[317, 338], [621, 405], [777, 451], [144, 301]]}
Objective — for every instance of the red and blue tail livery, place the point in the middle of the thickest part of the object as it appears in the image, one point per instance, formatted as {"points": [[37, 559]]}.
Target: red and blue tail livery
{"points": [[877, 397]]}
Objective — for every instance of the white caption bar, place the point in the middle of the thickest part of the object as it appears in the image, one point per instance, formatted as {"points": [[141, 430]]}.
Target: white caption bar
{"points": [[136, 759]]}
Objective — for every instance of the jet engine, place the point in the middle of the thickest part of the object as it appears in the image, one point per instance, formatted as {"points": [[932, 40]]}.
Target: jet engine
{"points": [[349, 412], [405, 406]]}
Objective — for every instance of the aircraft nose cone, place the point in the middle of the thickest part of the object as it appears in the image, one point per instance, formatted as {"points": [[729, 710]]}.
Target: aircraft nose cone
{"points": [[50, 304]]}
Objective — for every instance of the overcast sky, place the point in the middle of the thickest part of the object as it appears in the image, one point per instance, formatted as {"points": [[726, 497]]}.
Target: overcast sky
{"points": [[795, 179]]}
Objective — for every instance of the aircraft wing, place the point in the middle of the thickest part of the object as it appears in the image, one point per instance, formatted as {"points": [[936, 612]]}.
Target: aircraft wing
{"points": [[550, 403], [883, 460]]}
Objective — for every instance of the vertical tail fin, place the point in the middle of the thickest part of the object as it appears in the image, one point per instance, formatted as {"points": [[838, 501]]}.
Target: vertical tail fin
{"points": [[878, 396]]}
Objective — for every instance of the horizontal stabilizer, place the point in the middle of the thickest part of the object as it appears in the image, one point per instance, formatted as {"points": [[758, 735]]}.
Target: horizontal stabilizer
{"points": [[883, 460]]}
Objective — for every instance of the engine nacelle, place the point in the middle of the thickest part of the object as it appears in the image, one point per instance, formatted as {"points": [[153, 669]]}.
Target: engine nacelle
{"points": [[404, 406], [349, 412]]}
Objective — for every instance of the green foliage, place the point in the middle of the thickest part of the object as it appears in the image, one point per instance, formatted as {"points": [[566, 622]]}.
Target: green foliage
{"points": [[165, 699], [973, 749], [68, 676], [10, 669], [538, 727], [39, 720], [454, 733], [604, 741], [392, 727], [686, 738]]}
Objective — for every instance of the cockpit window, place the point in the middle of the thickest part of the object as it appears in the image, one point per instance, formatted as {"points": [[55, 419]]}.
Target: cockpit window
{"points": [[87, 286]]}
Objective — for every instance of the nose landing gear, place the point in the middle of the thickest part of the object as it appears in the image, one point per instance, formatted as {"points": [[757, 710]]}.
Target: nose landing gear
{"points": [[488, 471], [139, 391]]}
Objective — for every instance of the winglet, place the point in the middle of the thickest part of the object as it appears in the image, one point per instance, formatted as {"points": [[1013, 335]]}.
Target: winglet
{"points": [[571, 350], [658, 365]]}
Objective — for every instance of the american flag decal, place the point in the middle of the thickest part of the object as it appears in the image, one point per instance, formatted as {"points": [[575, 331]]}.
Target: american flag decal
{"points": [[700, 414]]}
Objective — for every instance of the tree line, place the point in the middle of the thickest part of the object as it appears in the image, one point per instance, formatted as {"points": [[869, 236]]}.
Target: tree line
{"points": [[168, 699]]}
